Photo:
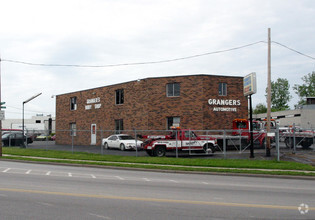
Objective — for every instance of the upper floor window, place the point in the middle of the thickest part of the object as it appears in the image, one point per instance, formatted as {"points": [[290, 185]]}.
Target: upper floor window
{"points": [[73, 103], [172, 89], [223, 89], [119, 96]]}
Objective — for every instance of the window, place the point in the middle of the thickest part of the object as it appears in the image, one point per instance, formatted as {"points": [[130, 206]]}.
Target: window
{"points": [[223, 89], [190, 134], [119, 126], [172, 89], [73, 129], [119, 96], [37, 121], [73, 103], [113, 138], [173, 121]]}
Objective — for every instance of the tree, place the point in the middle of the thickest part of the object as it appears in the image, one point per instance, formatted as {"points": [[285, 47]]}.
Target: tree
{"points": [[260, 108], [280, 95], [307, 89]]}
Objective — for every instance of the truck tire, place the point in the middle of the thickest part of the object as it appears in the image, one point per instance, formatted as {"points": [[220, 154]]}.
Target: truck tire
{"points": [[159, 151], [208, 149], [306, 143], [288, 142]]}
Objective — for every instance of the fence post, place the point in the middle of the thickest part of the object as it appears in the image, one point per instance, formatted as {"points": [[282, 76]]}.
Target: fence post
{"points": [[224, 144], [72, 140], [136, 143], [176, 144], [277, 142], [102, 150], [46, 139], [294, 141], [240, 140]]}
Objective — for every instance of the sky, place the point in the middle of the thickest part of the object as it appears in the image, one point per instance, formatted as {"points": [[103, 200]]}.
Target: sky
{"points": [[104, 33]]}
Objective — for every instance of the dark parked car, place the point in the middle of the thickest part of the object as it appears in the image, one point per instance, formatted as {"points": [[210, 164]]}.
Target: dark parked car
{"points": [[14, 139]]}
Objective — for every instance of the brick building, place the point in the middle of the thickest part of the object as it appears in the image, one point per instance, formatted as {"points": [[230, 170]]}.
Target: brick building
{"points": [[199, 102]]}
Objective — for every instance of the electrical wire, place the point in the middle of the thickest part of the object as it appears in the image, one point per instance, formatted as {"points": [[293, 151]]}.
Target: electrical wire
{"points": [[28, 110], [129, 64], [293, 50]]}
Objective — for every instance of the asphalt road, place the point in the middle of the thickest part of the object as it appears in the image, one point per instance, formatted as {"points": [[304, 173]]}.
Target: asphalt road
{"points": [[36, 191]]}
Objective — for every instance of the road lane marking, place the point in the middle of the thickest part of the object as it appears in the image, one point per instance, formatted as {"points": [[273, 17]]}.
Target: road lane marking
{"points": [[70, 174], [146, 179], [28, 172], [173, 181], [194, 202], [93, 176], [120, 178], [48, 173], [205, 183], [100, 216], [6, 170]]}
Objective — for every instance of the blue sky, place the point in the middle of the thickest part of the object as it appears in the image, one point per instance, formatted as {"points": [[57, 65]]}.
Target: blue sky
{"points": [[105, 32]]}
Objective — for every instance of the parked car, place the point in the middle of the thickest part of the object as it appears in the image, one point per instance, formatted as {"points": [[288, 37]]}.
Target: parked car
{"points": [[53, 138], [121, 141], [15, 139], [42, 137]]}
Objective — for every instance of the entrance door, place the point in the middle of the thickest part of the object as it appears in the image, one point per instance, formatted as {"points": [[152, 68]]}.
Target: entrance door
{"points": [[93, 134]]}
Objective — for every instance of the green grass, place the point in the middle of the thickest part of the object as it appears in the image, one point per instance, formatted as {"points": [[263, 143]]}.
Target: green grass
{"points": [[204, 165]]}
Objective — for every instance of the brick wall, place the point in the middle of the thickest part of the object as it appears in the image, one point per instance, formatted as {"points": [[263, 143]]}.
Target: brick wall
{"points": [[146, 106]]}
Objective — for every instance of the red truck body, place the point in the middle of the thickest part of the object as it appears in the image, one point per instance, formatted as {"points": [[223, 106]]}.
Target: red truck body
{"points": [[178, 139]]}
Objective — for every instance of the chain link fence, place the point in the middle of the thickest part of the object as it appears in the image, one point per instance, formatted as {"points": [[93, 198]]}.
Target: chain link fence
{"points": [[228, 143]]}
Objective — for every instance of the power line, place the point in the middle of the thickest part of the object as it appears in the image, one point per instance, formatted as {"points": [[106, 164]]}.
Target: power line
{"points": [[152, 62], [293, 50], [129, 64], [28, 110]]}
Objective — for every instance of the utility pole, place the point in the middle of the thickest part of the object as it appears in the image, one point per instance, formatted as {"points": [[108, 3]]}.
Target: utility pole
{"points": [[268, 95]]}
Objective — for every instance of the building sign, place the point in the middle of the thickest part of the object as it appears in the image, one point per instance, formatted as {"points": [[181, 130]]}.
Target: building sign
{"points": [[94, 101], [224, 105], [249, 84]]}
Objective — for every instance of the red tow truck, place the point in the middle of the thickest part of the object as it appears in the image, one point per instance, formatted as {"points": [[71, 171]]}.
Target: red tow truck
{"points": [[178, 139], [302, 137], [240, 134]]}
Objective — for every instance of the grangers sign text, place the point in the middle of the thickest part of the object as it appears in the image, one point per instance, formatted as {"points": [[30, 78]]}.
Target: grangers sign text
{"points": [[94, 101], [229, 105]]}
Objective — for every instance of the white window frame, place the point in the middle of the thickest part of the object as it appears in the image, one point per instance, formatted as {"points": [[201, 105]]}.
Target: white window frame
{"points": [[73, 103], [222, 89], [172, 89], [121, 98]]}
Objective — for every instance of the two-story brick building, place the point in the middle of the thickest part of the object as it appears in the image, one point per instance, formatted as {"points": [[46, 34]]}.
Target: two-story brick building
{"points": [[200, 102]]}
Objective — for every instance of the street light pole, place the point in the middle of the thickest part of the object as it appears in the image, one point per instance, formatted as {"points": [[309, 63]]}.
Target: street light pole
{"points": [[268, 95], [26, 101]]}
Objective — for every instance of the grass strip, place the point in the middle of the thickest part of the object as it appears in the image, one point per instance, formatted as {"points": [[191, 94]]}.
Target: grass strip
{"points": [[209, 162]]}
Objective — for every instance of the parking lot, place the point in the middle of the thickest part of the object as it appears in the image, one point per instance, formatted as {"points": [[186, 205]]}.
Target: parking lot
{"points": [[301, 155]]}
